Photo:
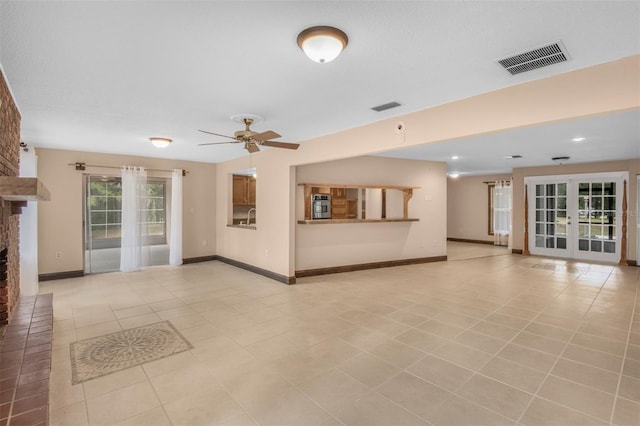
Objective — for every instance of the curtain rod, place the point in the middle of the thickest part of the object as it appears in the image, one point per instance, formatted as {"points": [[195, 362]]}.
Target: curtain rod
{"points": [[83, 166], [495, 181]]}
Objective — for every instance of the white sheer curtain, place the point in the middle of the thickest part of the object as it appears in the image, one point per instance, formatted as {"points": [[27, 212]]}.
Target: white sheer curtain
{"points": [[175, 238], [502, 213], [134, 180]]}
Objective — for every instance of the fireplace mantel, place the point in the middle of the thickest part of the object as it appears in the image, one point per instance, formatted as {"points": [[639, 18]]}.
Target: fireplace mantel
{"points": [[23, 189]]}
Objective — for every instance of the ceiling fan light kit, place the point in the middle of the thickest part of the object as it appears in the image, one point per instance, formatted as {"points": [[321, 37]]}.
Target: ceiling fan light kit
{"points": [[160, 142], [322, 44]]}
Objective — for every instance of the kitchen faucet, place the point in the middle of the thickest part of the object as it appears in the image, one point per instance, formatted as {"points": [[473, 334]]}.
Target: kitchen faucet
{"points": [[253, 209]]}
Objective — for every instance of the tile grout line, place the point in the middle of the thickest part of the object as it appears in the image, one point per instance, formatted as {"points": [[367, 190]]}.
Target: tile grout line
{"points": [[560, 356], [624, 359], [477, 371], [426, 319]]}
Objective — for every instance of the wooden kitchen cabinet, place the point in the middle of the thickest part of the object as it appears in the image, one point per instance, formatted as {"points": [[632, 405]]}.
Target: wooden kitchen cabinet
{"points": [[244, 190], [251, 195], [338, 203], [338, 193]]}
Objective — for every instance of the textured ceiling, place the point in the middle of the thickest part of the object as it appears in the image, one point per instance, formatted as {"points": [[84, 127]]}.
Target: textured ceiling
{"points": [[105, 76]]}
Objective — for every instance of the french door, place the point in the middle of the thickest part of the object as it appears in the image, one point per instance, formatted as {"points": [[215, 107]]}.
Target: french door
{"points": [[576, 216]]}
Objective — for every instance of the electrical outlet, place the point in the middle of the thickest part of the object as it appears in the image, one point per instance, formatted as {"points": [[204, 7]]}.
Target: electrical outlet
{"points": [[204, 243], [58, 255], [266, 252]]}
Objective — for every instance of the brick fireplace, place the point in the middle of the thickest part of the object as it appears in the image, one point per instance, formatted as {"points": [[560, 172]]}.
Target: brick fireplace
{"points": [[9, 222]]}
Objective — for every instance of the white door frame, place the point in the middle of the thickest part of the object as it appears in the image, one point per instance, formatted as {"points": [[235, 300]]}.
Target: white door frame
{"points": [[572, 251]]}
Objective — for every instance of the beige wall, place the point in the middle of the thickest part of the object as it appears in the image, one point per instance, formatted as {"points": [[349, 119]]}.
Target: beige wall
{"points": [[60, 220], [319, 246], [467, 207], [591, 91], [632, 166]]}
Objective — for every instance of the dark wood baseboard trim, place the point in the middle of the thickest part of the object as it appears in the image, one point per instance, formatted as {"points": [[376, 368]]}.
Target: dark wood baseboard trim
{"points": [[464, 240], [60, 275], [632, 262], [199, 259], [516, 251], [256, 270], [363, 266]]}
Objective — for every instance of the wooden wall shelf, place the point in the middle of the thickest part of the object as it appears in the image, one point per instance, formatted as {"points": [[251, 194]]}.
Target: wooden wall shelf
{"points": [[23, 189], [328, 221]]}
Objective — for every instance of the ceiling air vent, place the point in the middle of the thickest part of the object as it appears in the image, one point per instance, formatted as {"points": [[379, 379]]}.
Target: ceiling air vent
{"points": [[386, 106], [537, 58]]}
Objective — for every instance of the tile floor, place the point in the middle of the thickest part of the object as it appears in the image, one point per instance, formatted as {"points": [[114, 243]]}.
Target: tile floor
{"points": [[25, 362], [497, 340]]}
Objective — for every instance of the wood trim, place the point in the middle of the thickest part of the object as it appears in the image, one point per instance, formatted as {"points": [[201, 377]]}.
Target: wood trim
{"points": [[406, 196], [464, 240], [256, 270], [383, 215], [364, 266], [516, 251], [198, 259], [525, 250], [61, 275], [623, 241]]}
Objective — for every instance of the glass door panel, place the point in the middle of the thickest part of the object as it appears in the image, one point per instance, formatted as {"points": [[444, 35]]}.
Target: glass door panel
{"points": [[551, 216], [592, 200], [102, 223], [597, 207]]}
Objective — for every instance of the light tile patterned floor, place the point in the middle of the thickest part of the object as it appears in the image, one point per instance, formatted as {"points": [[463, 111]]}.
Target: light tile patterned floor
{"points": [[497, 340]]}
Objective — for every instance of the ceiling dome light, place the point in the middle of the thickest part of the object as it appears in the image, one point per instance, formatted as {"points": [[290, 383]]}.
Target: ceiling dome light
{"points": [[322, 44], [454, 175], [160, 142], [578, 139]]}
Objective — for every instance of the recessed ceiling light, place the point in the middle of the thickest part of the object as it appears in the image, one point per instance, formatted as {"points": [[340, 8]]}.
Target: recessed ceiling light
{"points": [[454, 157], [511, 157], [580, 139], [454, 175], [560, 159]]}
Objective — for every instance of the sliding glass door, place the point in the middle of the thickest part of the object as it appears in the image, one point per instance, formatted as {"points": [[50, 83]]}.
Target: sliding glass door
{"points": [[576, 216], [102, 223]]}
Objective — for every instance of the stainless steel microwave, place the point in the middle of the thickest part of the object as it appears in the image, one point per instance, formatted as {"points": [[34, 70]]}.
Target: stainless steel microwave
{"points": [[320, 206]]}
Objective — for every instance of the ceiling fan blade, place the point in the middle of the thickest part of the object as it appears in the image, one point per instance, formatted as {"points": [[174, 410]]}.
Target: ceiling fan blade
{"points": [[269, 134], [252, 147], [285, 145], [215, 143], [216, 134]]}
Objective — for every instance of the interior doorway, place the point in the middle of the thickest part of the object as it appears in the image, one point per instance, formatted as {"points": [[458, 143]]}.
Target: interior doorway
{"points": [[576, 216]]}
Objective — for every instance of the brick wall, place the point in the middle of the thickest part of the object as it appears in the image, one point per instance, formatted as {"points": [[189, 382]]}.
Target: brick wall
{"points": [[9, 237]]}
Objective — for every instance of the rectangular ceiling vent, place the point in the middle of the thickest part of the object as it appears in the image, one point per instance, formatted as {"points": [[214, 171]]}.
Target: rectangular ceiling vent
{"points": [[537, 58], [386, 106]]}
